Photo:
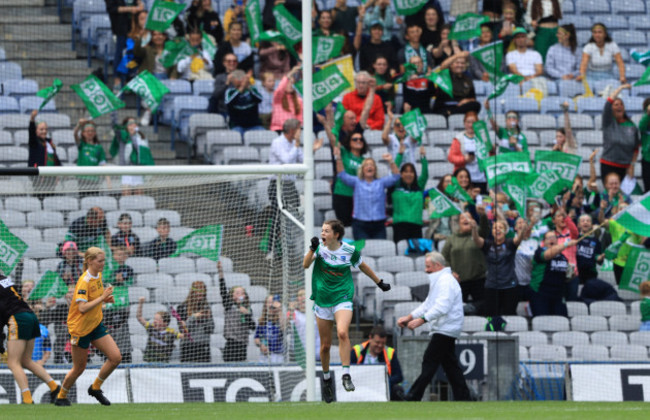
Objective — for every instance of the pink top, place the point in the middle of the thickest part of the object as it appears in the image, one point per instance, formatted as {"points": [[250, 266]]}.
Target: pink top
{"points": [[279, 115], [568, 233]]}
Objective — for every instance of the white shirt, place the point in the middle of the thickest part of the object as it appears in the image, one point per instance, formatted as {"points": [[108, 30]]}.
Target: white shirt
{"points": [[468, 145], [242, 51], [184, 66], [411, 152], [598, 61], [284, 152], [443, 308], [525, 62]]}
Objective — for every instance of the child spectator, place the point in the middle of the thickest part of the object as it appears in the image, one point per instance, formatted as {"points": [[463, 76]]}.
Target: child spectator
{"points": [[589, 251], [645, 305], [201, 15], [90, 153], [71, 268], [198, 66], [238, 320], [266, 87], [286, 102], [57, 313], [160, 341], [269, 335], [125, 237], [196, 319], [123, 274], [163, 246]]}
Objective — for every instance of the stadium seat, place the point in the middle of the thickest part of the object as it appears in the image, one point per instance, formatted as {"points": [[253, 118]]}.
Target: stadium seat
{"points": [[217, 139], [590, 352], [113, 216], [379, 248], [24, 204], [385, 302], [45, 219], [635, 307], [19, 87], [94, 27], [456, 122], [609, 338], [640, 338], [614, 22], [29, 234], [547, 352], [137, 202], [579, 21], [550, 323], [151, 217], [592, 7], [13, 218], [629, 352], [261, 138], [629, 7], [3, 54], [639, 22], [399, 310], [203, 88], [10, 71], [173, 295], [60, 203], [234, 155], [106, 203], [570, 338], [41, 250], [538, 122], [186, 279], [515, 323], [142, 265], [624, 323], [607, 308], [63, 138], [588, 323], [523, 353], [235, 279], [629, 38], [30, 103], [590, 138], [200, 123], [410, 279], [49, 264], [177, 87], [145, 233], [6, 139], [257, 294], [591, 106], [577, 308], [176, 265], [152, 280], [435, 121], [8, 105], [472, 323], [395, 264]]}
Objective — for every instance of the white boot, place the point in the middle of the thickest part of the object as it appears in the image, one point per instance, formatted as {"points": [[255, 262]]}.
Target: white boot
{"points": [[146, 118]]}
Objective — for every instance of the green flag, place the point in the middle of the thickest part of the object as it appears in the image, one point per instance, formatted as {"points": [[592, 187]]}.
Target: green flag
{"points": [[12, 249], [637, 269], [358, 244], [254, 19], [111, 265], [491, 56], [275, 36], [467, 26], [121, 296], [162, 15], [639, 57], [415, 124], [175, 50], [456, 191], [443, 80], [498, 168], [645, 78], [483, 143], [441, 205], [566, 164], [338, 120], [611, 252], [636, 217], [328, 84], [207, 45], [516, 187], [51, 284], [409, 70], [205, 242], [287, 24], [326, 47], [49, 92], [97, 97], [503, 82], [408, 7], [149, 88], [546, 185], [299, 354]]}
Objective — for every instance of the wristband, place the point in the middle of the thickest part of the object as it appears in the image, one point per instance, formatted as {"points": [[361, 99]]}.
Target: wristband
{"points": [[423, 318]]}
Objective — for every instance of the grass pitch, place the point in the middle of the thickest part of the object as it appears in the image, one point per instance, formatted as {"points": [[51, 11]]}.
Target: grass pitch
{"points": [[345, 411]]}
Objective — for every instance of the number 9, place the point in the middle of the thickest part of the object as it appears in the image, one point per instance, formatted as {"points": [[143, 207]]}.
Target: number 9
{"points": [[468, 360]]}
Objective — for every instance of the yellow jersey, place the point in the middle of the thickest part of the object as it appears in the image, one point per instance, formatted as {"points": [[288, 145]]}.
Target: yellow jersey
{"points": [[88, 289]]}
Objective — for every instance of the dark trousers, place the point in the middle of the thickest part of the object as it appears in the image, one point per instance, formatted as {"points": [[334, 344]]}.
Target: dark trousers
{"points": [[406, 230], [440, 351], [605, 169], [473, 288], [547, 304], [368, 230], [234, 351], [501, 301], [343, 206], [618, 273], [645, 173]]}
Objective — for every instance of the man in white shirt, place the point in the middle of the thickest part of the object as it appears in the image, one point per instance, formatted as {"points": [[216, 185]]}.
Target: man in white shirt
{"points": [[523, 61], [443, 310]]}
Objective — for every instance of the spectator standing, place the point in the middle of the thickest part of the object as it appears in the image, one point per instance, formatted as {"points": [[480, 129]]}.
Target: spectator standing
{"points": [[381, 11], [414, 47], [297, 316], [398, 138], [238, 319], [274, 58], [197, 324], [119, 12], [445, 49], [42, 152], [160, 337], [383, 80], [563, 59], [644, 132], [599, 55], [589, 251], [645, 305], [222, 82], [344, 17], [201, 15], [163, 246], [418, 89], [543, 16], [408, 197], [510, 138], [564, 139], [375, 46], [443, 310], [269, 334], [355, 101], [90, 153], [236, 14], [133, 150], [621, 139], [56, 312], [430, 38], [462, 153], [242, 101], [266, 87], [287, 104]]}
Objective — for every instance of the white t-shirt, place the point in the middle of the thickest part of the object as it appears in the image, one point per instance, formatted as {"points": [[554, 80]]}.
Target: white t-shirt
{"points": [[468, 145], [601, 61], [410, 152], [525, 62]]}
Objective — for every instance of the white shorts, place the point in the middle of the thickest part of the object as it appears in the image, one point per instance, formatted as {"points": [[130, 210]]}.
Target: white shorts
{"points": [[328, 313]]}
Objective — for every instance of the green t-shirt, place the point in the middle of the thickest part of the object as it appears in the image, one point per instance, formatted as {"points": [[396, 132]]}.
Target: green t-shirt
{"points": [[331, 280], [408, 205], [616, 230], [644, 130], [645, 309], [351, 164], [504, 136], [90, 155]]}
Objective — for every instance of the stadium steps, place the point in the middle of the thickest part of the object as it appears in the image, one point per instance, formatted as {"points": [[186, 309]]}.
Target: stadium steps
{"points": [[32, 36]]}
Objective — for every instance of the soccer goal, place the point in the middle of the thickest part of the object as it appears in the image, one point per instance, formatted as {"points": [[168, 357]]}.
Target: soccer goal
{"points": [[211, 338]]}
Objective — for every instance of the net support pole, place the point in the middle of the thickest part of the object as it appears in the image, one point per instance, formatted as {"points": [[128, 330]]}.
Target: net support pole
{"points": [[308, 129]]}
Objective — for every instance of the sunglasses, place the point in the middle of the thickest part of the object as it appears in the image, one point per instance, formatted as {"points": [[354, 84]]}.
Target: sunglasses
{"points": [[356, 139]]}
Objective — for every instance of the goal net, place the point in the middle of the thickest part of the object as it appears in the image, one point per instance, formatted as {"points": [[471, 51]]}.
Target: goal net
{"points": [[174, 305]]}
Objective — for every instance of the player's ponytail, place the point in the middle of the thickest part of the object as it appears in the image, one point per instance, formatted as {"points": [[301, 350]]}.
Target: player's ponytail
{"points": [[90, 254]]}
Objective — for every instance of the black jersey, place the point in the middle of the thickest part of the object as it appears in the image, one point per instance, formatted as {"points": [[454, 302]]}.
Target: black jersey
{"points": [[10, 300]]}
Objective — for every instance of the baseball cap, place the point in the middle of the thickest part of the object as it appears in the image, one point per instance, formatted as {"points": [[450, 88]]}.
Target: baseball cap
{"points": [[518, 31], [377, 22], [69, 245]]}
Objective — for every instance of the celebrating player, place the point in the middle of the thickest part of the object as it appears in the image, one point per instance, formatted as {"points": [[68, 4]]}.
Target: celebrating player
{"points": [[86, 327], [23, 330], [332, 292]]}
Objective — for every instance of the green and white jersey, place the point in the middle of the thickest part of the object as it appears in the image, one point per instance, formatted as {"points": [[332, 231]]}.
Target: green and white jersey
{"points": [[331, 280]]}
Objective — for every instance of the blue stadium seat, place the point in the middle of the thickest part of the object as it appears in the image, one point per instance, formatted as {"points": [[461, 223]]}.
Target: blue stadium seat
{"points": [[83, 9], [634, 71], [203, 87], [568, 8], [181, 109], [628, 7], [591, 106], [570, 88], [3, 54], [8, 105], [592, 7], [583, 36], [613, 22], [176, 88], [538, 122], [629, 38], [30, 103], [97, 27], [553, 104], [639, 22], [522, 105], [10, 70], [20, 87], [580, 22]]}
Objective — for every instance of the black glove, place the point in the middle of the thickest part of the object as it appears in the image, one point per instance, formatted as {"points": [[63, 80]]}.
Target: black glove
{"points": [[314, 244], [383, 286]]}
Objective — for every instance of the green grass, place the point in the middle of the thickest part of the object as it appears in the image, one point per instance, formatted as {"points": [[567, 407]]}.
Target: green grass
{"points": [[345, 411]]}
